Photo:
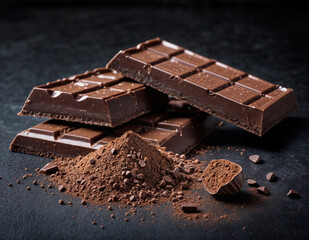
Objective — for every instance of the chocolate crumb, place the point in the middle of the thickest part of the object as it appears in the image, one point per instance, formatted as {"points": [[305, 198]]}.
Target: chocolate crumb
{"points": [[28, 188], [61, 202], [61, 188], [293, 194], [255, 158], [93, 223], [189, 207], [263, 190], [10, 185], [252, 183], [271, 176], [83, 202]]}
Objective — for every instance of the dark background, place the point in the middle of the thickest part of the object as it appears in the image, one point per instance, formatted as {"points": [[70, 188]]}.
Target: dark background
{"points": [[42, 41]]}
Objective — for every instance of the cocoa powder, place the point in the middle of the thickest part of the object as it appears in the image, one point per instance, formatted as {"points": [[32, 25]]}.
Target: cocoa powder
{"points": [[128, 170]]}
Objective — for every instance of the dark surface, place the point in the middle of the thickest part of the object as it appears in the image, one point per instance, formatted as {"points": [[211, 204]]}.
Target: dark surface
{"points": [[43, 44]]}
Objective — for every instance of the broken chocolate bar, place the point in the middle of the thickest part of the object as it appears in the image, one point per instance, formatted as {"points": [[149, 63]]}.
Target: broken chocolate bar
{"points": [[230, 94], [178, 132], [100, 97]]}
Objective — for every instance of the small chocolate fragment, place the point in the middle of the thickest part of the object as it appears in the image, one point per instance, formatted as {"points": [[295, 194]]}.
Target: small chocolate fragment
{"points": [[142, 163], [61, 202], [48, 169], [28, 188], [189, 207], [270, 176], [252, 183], [293, 194], [255, 158], [263, 190], [113, 151], [83, 202], [61, 188]]}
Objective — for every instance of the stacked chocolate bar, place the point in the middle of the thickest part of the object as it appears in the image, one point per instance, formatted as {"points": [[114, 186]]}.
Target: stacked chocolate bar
{"points": [[134, 93]]}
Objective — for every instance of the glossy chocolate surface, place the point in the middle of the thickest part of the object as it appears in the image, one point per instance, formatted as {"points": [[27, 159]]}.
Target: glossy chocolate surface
{"points": [[177, 130], [228, 93], [100, 97]]}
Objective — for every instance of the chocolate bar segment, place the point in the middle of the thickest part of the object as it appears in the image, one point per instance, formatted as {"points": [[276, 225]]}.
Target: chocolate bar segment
{"points": [[100, 97], [178, 131], [228, 93]]}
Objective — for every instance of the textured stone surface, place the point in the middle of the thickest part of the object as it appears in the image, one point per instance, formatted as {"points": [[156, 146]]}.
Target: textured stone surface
{"points": [[43, 44]]}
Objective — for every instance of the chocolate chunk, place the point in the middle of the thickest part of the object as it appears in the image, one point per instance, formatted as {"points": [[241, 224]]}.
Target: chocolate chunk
{"points": [[162, 184], [167, 179], [61, 188], [271, 176], [48, 169], [189, 207], [140, 176], [176, 172], [255, 158], [142, 163], [263, 190], [61, 202], [252, 183], [113, 151], [293, 194]]}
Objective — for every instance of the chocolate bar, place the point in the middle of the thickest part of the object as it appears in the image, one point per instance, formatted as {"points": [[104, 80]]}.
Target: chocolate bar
{"points": [[178, 132], [230, 94], [100, 97]]}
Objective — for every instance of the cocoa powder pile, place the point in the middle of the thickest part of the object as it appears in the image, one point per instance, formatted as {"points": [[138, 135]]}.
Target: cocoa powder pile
{"points": [[128, 170]]}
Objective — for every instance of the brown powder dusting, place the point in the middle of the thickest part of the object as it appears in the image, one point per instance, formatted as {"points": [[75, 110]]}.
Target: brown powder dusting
{"points": [[128, 170], [219, 173]]}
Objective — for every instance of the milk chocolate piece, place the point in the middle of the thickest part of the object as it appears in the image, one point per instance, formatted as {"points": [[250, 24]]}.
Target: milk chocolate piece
{"points": [[263, 190], [293, 194], [100, 97], [271, 176], [177, 132], [255, 158], [49, 168], [189, 207], [252, 183], [228, 93]]}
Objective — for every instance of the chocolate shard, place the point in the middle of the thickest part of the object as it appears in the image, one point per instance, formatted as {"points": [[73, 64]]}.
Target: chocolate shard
{"points": [[271, 176], [293, 194], [189, 207], [48, 169], [263, 190], [99, 97], [178, 132], [228, 93], [252, 183], [255, 158]]}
